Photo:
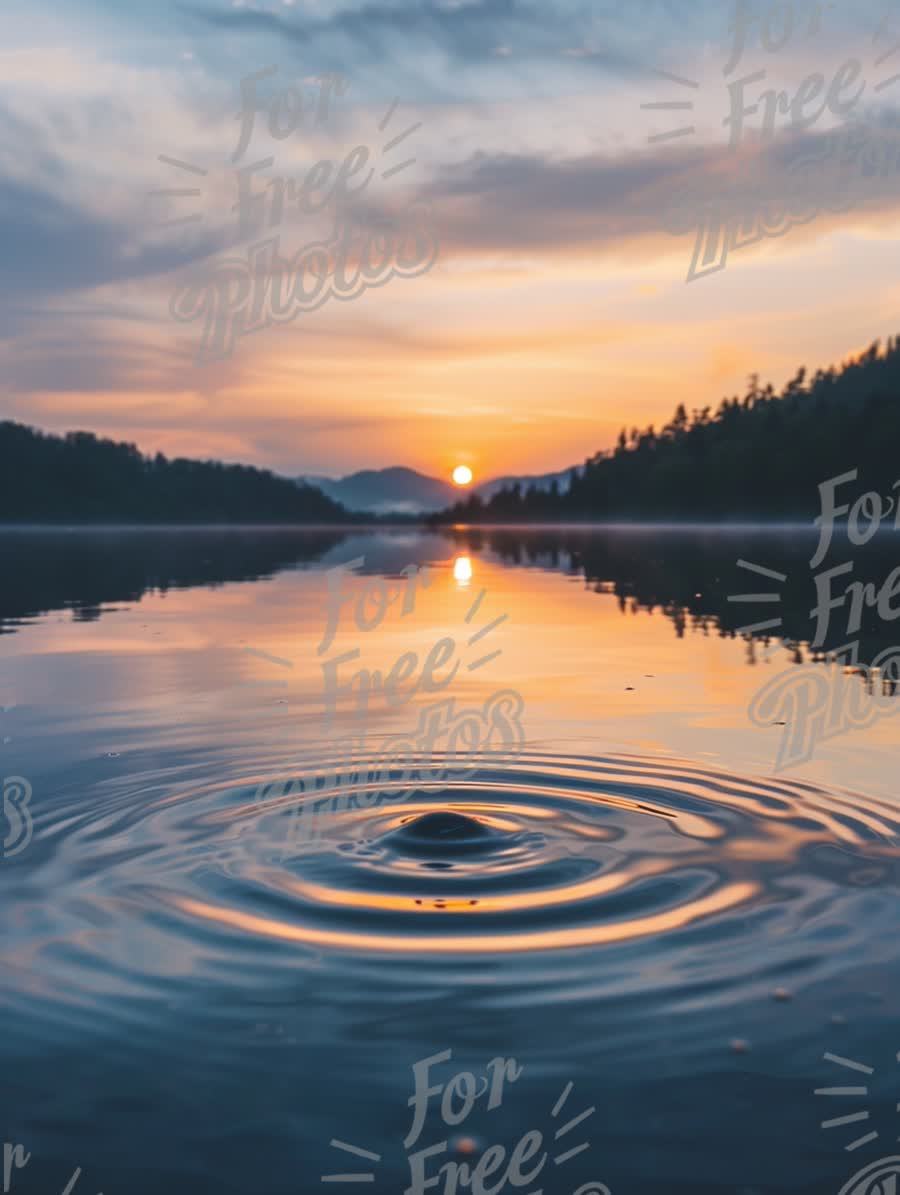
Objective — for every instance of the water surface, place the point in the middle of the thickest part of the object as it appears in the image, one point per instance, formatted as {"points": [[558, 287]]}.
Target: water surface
{"points": [[230, 939]]}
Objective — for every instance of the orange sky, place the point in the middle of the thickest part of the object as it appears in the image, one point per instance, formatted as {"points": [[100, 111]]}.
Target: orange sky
{"points": [[558, 310]]}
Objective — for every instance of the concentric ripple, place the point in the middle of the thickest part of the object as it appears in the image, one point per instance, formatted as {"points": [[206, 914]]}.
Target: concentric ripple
{"points": [[546, 855], [705, 870], [549, 854]]}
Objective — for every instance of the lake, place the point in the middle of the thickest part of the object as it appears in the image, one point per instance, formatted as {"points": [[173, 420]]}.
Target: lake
{"points": [[296, 831]]}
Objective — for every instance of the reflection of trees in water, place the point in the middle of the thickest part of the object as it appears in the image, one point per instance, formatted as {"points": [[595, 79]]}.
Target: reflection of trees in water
{"points": [[689, 575], [85, 570]]}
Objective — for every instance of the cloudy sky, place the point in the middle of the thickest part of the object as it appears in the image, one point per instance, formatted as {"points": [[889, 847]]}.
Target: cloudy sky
{"points": [[565, 210]]}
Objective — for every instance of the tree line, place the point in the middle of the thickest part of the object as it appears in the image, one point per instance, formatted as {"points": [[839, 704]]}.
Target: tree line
{"points": [[760, 456], [80, 478]]}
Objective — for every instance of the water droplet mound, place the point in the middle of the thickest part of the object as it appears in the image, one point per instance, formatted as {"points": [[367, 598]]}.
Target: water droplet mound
{"points": [[443, 830]]}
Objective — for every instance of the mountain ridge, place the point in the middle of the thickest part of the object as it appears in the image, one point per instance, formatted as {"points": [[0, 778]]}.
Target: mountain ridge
{"points": [[398, 489]]}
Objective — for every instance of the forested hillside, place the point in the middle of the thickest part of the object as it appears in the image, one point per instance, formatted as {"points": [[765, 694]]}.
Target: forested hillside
{"points": [[80, 478], [761, 455]]}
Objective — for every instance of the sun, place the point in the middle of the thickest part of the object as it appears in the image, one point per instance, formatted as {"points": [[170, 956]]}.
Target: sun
{"points": [[462, 475]]}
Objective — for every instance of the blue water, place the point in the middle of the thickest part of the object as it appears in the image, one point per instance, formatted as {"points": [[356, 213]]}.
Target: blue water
{"points": [[206, 983]]}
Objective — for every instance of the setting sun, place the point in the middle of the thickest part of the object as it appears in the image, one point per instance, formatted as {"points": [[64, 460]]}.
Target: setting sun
{"points": [[462, 475]]}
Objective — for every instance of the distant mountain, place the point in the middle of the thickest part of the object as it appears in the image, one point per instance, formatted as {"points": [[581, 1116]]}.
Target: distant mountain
{"points": [[388, 491], [404, 491]]}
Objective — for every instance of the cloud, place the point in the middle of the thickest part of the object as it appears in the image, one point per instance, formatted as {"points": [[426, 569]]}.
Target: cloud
{"points": [[53, 246], [605, 203], [556, 259], [469, 31]]}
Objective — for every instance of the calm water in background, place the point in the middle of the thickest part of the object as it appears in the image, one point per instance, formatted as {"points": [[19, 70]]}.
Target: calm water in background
{"points": [[193, 1005]]}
